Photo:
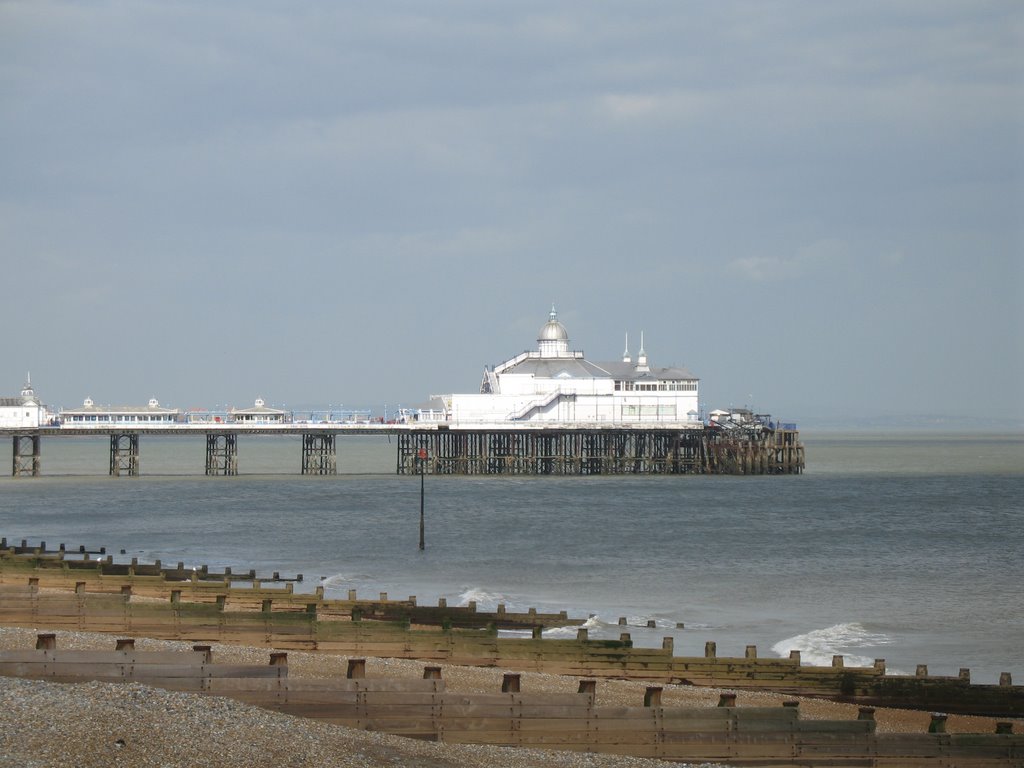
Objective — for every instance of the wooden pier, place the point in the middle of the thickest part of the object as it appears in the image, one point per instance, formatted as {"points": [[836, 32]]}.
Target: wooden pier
{"points": [[443, 449], [600, 452]]}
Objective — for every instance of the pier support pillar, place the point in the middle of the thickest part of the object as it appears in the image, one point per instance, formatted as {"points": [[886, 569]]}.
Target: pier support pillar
{"points": [[318, 454], [27, 456], [124, 454], [221, 454]]}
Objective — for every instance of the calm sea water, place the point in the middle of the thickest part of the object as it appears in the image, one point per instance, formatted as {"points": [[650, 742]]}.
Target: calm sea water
{"points": [[902, 547]]}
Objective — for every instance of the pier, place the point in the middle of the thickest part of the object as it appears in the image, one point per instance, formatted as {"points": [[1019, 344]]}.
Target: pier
{"points": [[447, 449], [600, 451]]}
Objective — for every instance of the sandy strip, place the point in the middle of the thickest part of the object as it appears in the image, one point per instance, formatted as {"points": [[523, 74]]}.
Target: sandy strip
{"points": [[94, 724]]}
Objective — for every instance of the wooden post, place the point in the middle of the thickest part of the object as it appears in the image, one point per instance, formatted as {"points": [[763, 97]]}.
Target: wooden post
{"points": [[510, 682], [652, 696], [727, 699], [356, 669]]}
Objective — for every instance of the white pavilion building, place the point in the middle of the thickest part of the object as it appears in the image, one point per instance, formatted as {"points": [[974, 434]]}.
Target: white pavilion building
{"points": [[25, 411], [554, 385]]}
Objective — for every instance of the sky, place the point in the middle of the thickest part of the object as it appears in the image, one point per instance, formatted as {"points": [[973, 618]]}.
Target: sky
{"points": [[817, 208]]}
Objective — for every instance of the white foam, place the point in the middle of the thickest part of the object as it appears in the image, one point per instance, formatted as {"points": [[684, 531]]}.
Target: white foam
{"points": [[339, 581], [485, 601], [818, 646], [640, 622], [593, 624]]}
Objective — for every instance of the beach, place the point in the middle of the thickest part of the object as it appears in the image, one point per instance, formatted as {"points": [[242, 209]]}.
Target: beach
{"points": [[111, 725]]}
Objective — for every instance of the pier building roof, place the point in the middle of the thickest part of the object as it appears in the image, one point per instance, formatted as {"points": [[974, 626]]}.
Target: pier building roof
{"points": [[553, 384], [553, 360], [89, 411], [259, 412], [27, 396]]}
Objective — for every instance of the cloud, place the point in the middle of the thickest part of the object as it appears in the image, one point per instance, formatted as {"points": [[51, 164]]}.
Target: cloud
{"points": [[810, 258]]}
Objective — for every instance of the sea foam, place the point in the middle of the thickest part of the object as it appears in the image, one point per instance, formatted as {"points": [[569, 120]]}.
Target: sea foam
{"points": [[485, 601], [342, 581], [818, 646]]}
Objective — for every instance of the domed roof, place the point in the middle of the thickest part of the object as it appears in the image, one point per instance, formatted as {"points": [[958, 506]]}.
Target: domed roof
{"points": [[553, 330]]}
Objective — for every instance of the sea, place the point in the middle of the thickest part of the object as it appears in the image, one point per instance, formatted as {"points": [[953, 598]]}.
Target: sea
{"points": [[897, 546]]}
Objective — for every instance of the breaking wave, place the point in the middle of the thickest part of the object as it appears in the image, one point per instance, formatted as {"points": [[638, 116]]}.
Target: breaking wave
{"points": [[485, 601], [818, 646], [342, 581]]}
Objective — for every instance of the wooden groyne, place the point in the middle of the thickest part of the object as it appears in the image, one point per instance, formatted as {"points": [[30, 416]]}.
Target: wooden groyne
{"points": [[601, 451], [37, 591], [424, 708]]}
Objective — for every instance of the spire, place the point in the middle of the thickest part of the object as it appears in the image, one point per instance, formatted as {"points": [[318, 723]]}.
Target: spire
{"points": [[553, 315], [641, 356], [27, 393], [625, 355]]}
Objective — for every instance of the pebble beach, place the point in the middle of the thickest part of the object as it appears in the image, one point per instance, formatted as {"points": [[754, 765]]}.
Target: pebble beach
{"points": [[111, 725]]}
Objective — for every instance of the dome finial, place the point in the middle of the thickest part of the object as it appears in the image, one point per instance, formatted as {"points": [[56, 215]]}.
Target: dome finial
{"points": [[553, 315]]}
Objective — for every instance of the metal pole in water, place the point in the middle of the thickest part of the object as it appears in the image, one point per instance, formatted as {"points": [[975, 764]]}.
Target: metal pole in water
{"points": [[422, 458]]}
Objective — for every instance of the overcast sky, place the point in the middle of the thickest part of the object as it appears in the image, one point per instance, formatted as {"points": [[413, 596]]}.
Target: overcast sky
{"points": [[818, 208]]}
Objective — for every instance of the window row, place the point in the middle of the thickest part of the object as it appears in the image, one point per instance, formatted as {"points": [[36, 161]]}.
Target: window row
{"points": [[660, 386]]}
